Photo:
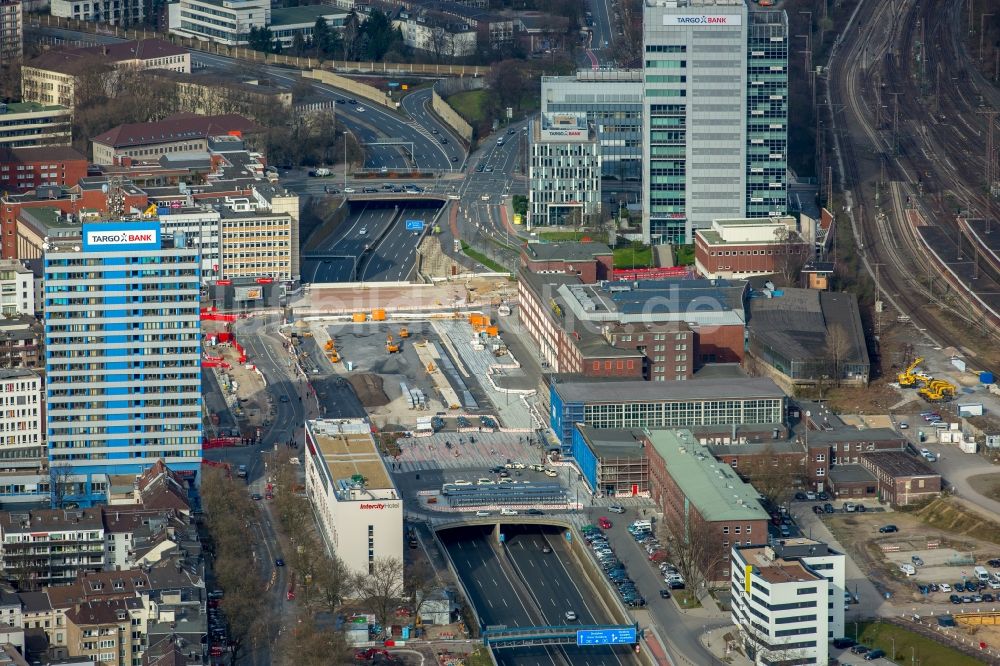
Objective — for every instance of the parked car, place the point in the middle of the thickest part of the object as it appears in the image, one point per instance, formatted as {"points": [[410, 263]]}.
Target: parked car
{"points": [[955, 599], [828, 508], [917, 562], [860, 649], [822, 497], [888, 529], [874, 654], [614, 508], [604, 523], [843, 643]]}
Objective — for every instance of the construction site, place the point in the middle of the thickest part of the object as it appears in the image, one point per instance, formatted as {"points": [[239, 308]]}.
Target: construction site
{"points": [[448, 371]]}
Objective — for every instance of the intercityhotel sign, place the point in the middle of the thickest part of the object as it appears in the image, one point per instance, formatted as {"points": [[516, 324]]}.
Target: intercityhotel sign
{"points": [[368, 506], [704, 19]]}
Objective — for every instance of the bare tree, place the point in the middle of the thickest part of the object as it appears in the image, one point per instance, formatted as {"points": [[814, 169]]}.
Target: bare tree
{"points": [[790, 256], [692, 548], [421, 580], [310, 645], [333, 583], [772, 475], [381, 588], [838, 348], [61, 485]]}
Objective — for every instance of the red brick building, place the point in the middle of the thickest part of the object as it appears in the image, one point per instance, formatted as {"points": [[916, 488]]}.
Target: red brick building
{"points": [[699, 496], [745, 248], [658, 330], [24, 169], [590, 262]]}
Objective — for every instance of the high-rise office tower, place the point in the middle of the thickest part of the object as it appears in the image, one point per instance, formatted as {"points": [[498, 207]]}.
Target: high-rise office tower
{"points": [[123, 356], [714, 115]]}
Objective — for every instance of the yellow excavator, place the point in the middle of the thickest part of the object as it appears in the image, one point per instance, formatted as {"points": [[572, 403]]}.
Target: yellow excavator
{"points": [[390, 345], [907, 378], [404, 332], [938, 390]]}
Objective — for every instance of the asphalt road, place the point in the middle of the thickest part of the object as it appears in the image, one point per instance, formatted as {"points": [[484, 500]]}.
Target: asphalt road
{"points": [[549, 591], [368, 126], [375, 237]]}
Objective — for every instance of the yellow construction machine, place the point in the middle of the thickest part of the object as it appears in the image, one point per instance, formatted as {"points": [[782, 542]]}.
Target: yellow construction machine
{"points": [[404, 332], [390, 345], [907, 378], [938, 390]]}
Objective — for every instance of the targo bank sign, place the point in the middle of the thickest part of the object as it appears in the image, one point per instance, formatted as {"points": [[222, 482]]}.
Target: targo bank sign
{"points": [[723, 20], [113, 236]]}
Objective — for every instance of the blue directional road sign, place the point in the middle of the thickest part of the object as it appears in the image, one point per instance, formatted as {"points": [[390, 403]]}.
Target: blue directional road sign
{"points": [[606, 636], [414, 225]]}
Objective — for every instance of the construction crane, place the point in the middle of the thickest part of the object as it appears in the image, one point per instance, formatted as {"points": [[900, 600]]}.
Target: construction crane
{"points": [[391, 346], [907, 378]]}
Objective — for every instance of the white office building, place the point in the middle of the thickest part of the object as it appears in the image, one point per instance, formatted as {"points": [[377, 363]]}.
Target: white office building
{"points": [[17, 288], [200, 224], [565, 171], [714, 115], [357, 507], [788, 600], [122, 356], [223, 21]]}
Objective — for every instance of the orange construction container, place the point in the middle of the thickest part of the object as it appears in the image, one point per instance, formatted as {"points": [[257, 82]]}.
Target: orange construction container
{"points": [[492, 331], [378, 314], [359, 317], [479, 320]]}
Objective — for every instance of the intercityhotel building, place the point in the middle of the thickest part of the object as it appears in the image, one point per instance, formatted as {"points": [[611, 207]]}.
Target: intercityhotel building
{"points": [[360, 511]]}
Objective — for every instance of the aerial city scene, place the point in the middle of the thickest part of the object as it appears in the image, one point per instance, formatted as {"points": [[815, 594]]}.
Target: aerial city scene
{"points": [[499, 332]]}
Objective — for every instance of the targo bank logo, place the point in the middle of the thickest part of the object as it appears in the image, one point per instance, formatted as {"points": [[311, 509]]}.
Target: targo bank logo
{"points": [[703, 20], [121, 237]]}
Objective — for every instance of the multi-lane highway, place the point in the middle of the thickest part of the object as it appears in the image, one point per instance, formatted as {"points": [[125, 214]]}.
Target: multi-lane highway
{"points": [[372, 244], [517, 584]]}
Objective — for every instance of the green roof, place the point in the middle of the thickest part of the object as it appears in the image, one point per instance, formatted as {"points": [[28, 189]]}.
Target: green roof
{"points": [[306, 14], [31, 107], [712, 487]]}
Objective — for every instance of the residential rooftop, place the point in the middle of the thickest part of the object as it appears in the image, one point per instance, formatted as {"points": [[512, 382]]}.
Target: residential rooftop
{"points": [[11, 108], [712, 487], [642, 391], [177, 127], [305, 14]]}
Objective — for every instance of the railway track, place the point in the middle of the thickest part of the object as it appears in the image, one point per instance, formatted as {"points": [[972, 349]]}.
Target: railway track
{"points": [[895, 61]]}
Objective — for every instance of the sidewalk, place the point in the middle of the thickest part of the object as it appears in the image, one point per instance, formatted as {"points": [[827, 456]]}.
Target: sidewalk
{"points": [[716, 643]]}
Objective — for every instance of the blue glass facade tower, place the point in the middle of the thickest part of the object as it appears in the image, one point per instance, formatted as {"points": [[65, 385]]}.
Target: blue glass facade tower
{"points": [[123, 357]]}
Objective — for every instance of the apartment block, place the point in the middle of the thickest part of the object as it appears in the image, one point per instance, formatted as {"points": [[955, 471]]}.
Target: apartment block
{"points": [[125, 13], [34, 124], [22, 442], [11, 32], [788, 600], [23, 169], [17, 288]]}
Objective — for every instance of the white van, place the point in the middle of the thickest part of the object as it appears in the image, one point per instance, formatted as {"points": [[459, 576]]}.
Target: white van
{"points": [[642, 525], [982, 573]]}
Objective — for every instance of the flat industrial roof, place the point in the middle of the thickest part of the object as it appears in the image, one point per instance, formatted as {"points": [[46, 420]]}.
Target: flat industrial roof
{"points": [[850, 474], [712, 487], [348, 448], [773, 568], [612, 442], [695, 389]]}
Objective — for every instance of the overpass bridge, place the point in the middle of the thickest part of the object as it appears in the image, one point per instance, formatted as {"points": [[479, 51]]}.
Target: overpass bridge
{"points": [[591, 635]]}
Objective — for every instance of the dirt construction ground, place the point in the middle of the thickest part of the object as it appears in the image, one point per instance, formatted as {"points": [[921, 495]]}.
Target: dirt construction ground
{"points": [[947, 559]]}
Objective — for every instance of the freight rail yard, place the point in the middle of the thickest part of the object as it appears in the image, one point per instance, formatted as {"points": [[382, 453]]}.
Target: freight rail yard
{"points": [[915, 147]]}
